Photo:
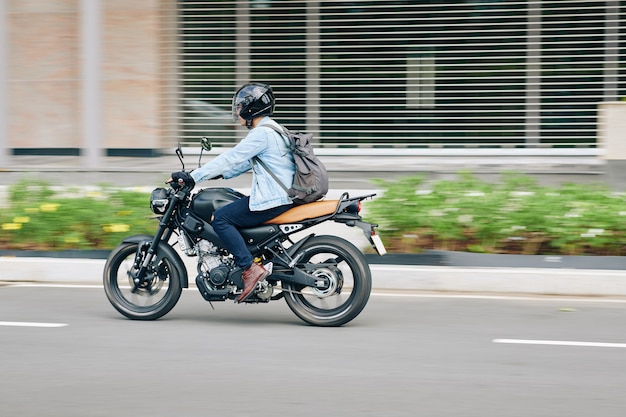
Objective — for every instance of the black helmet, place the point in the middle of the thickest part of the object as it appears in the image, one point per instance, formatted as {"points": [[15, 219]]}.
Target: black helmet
{"points": [[256, 99]]}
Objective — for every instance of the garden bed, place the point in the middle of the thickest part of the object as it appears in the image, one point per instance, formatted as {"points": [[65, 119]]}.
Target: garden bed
{"points": [[514, 216]]}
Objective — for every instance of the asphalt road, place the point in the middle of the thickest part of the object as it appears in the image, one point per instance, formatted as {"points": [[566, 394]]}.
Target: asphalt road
{"points": [[66, 352]]}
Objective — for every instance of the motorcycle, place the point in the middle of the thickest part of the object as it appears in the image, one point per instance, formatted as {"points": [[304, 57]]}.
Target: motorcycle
{"points": [[325, 280]]}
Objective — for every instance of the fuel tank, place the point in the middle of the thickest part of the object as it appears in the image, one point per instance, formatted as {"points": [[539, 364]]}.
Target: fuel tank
{"points": [[205, 202]]}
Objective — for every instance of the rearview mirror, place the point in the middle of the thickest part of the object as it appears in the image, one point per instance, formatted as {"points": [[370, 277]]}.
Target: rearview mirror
{"points": [[179, 153], [206, 143]]}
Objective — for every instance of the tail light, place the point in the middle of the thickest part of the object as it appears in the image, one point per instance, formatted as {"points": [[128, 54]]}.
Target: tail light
{"points": [[354, 208]]}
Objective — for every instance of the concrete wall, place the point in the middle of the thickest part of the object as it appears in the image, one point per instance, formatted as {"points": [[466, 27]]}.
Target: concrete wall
{"points": [[612, 139], [44, 75]]}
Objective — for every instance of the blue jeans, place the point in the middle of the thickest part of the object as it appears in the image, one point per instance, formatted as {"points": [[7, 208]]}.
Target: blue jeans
{"points": [[237, 214]]}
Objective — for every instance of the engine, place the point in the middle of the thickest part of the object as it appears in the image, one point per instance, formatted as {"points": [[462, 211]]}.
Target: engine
{"points": [[218, 277], [211, 264]]}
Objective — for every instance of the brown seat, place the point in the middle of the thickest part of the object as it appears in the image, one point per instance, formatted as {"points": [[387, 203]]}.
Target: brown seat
{"points": [[306, 211]]}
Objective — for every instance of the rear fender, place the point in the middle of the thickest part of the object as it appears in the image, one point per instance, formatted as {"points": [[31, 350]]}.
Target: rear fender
{"points": [[164, 251], [293, 249]]}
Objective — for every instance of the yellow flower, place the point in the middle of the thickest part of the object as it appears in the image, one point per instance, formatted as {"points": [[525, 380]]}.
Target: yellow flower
{"points": [[21, 219], [71, 239], [124, 213], [49, 207], [11, 226], [116, 228]]}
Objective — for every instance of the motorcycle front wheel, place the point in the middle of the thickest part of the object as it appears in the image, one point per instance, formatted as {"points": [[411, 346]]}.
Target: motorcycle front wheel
{"points": [[347, 277], [149, 301]]}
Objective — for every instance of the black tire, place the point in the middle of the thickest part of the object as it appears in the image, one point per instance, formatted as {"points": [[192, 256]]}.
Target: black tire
{"points": [[151, 301], [349, 277]]}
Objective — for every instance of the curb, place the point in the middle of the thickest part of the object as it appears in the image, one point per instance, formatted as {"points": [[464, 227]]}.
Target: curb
{"points": [[432, 277], [428, 258], [449, 258]]}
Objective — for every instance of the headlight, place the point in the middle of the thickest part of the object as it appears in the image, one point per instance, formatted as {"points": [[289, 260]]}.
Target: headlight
{"points": [[159, 200]]}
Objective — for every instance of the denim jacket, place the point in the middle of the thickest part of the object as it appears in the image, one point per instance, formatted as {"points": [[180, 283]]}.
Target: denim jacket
{"points": [[272, 149]]}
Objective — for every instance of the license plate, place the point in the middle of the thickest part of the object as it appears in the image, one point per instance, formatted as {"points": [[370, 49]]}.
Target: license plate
{"points": [[378, 244]]}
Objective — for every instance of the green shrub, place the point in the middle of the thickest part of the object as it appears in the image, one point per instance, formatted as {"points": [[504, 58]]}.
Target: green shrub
{"points": [[39, 217], [513, 216]]}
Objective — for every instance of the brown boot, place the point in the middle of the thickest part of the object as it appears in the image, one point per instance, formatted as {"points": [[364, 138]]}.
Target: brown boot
{"points": [[251, 276]]}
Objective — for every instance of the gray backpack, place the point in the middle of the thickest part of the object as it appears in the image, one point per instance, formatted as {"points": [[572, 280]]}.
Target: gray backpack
{"points": [[310, 182]]}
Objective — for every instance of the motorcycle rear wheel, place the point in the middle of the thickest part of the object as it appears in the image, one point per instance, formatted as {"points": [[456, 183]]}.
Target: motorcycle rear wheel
{"points": [[150, 301], [348, 277]]}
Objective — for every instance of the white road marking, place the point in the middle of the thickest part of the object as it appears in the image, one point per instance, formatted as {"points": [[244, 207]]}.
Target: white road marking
{"points": [[559, 343], [560, 298], [497, 270], [34, 285], [30, 324]]}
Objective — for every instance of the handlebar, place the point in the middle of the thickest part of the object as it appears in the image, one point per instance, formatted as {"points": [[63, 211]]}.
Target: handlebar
{"points": [[176, 186]]}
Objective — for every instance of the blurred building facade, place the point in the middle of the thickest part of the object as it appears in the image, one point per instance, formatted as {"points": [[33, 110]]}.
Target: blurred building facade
{"points": [[130, 78], [47, 74]]}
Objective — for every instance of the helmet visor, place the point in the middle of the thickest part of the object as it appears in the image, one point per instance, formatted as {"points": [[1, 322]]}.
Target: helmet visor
{"points": [[253, 100], [236, 110], [238, 98]]}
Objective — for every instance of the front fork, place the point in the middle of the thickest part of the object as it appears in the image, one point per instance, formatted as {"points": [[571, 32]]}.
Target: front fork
{"points": [[143, 257]]}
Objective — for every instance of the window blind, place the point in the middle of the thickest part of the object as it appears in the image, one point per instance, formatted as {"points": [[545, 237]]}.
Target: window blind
{"points": [[405, 74]]}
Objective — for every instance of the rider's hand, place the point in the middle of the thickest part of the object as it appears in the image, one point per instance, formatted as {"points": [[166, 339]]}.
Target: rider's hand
{"points": [[180, 179]]}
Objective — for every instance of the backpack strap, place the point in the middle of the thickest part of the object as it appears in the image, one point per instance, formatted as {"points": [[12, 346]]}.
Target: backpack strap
{"points": [[269, 171], [256, 159], [281, 132], [275, 129]]}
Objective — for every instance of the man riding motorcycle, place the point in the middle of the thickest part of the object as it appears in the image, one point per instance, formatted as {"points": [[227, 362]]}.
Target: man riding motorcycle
{"points": [[253, 104]]}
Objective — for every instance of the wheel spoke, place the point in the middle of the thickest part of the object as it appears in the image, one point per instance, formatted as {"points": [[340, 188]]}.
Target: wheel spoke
{"points": [[147, 300], [344, 270]]}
